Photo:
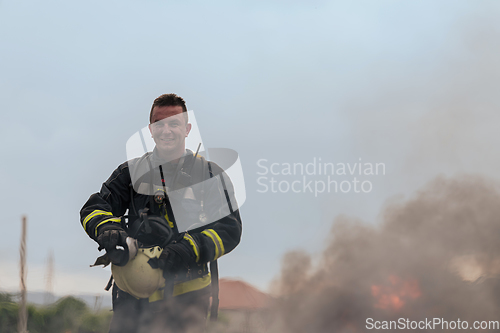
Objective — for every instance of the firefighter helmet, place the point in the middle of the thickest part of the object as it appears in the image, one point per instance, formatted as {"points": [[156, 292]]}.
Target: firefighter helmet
{"points": [[137, 277]]}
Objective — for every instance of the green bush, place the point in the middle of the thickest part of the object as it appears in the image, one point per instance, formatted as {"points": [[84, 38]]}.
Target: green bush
{"points": [[69, 314], [8, 314]]}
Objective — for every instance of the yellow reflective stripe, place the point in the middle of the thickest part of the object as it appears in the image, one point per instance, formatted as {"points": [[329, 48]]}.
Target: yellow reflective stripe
{"points": [[93, 214], [219, 246], [107, 221], [193, 245], [220, 242], [182, 288], [217, 250], [192, 285], [170, 223], [157, 295]]}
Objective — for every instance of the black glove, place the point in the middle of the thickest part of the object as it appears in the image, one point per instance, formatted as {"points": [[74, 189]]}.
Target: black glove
{"points": [[176, 257], [111, 235]]}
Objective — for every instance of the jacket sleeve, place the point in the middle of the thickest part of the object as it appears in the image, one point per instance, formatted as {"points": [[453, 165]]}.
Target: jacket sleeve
{"points": [[108, 205], [223, 235]]}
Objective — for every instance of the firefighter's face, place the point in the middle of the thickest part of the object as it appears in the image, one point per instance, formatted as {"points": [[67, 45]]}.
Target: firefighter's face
{"points": [[169, 130]]}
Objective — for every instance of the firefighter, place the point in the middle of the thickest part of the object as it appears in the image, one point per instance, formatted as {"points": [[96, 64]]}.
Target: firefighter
{"points": [[160, 266]]}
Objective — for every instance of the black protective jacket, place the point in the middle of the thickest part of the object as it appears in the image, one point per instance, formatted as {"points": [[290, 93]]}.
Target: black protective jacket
{"points": [[199, 194]]}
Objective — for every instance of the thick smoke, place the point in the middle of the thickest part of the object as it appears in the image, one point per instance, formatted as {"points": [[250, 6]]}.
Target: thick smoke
{"points": [[436, 255]]}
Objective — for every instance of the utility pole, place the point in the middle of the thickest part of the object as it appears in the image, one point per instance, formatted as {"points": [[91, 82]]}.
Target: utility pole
{"points": [[22, 325], [49, 295]]}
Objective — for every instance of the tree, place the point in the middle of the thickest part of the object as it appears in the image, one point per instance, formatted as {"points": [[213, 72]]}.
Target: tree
{"points": [[69, 314]]}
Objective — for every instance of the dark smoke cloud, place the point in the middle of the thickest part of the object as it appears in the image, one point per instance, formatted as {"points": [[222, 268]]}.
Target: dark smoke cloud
{"points": [[435, 255]]}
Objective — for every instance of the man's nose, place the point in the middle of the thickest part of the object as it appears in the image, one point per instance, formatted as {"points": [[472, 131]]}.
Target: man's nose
{"points": [[165, 128]]}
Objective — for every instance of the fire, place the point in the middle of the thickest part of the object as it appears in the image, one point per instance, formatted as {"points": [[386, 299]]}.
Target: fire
{"points": [[396, 294]]}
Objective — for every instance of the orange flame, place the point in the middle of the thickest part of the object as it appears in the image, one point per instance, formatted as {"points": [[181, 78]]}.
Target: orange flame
{"points": [[394, 297]]}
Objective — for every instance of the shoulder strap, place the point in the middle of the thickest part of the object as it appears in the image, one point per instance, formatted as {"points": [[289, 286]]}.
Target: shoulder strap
{"points": [[214, 271]]}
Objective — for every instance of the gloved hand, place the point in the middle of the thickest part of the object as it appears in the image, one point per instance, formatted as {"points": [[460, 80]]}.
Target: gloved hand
{"points": [[111, 235], [176, 257]]}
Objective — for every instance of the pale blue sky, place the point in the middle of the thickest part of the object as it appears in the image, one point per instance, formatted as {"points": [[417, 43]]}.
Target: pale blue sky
{"points": [[410, 84]]}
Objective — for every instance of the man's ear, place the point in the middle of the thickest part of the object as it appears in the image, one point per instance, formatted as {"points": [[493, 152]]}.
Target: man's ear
{"points": [[150, 131], [188, 129]]}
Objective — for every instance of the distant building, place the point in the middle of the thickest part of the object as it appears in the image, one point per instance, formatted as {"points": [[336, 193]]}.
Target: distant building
{"points": [[242, 308], [239, 295]]}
